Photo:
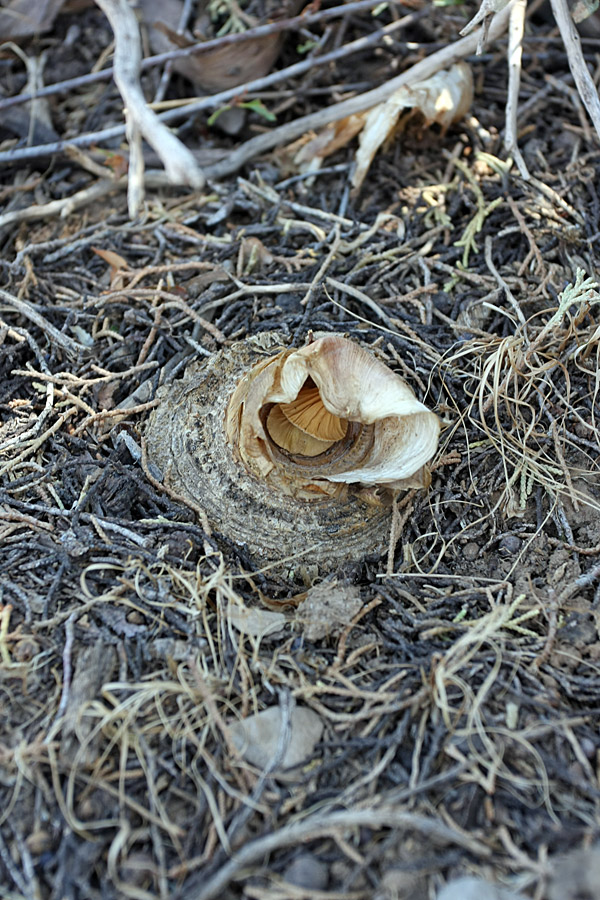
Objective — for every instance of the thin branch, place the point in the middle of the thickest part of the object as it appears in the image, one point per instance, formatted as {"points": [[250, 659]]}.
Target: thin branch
{"points": [[516, 30], [483, 17], [316, 826], [66, 205], [419, 72], [69, 345], [295, 23], [179, 162], [583, 79], [260, 144], [214, 100]]}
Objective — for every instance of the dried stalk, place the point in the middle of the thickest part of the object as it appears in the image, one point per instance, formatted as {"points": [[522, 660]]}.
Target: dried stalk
{"points": [[516, 30], [215, 100], [179, 162], [317, 826], [294, 23], [583, 79], [70, 346], [419, 72], [423, 69]]}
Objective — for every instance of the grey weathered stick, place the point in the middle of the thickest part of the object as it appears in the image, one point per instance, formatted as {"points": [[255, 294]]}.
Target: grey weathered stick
{"points": [[295, 23], [583, 79], [516, 30], [423, 69], [179, 162], [214, 100], [316, 826], [70, 346]]}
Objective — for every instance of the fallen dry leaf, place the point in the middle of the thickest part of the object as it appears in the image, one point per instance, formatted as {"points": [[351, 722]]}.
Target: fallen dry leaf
{"points": [[309, 151], [255, 622], [118, 266], [327, 609], [442, 99], [22, 18], [257, 738], [219, 69]]}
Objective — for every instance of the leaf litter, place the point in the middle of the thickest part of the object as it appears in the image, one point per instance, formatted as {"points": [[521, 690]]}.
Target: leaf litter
{"points": [[458, 706]]}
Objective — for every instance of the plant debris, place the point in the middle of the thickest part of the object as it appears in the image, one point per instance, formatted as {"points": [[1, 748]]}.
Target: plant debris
{"points": [[457, 706]]}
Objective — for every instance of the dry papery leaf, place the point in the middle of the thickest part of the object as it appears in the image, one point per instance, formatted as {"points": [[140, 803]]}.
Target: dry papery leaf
{"points": [[255, 622], [219, 69], [22, 18], [327, 609], [257, 738], [442, 100]]}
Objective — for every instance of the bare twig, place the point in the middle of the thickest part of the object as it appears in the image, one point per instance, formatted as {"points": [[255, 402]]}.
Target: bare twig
{"points": [[37, 443], [516, 30], [67, 672], [316, 826], [179, 162], [583, 79], [69, 345], [423, 69], [420, 71], [502, 283], [63, 207], [483, 17], [295, 23]]}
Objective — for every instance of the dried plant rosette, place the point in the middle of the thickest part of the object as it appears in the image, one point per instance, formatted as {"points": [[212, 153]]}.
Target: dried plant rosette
{"points": [[290, 451], [329, 414]]}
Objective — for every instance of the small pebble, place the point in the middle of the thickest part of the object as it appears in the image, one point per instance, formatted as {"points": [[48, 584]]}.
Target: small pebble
{"points": [[257, 738], [471, 550], [575, 876], [25, 650], [306, 871], [589, 747], [509, 544], [397, 884], [38, 841]]}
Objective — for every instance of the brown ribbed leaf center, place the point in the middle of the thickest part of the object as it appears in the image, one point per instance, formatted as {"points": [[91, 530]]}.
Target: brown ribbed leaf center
{"points": [[304, 426]]}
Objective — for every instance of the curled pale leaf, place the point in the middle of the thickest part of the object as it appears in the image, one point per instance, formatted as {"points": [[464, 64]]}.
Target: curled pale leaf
{"points": [[310, 150], [442, 99], [328, 414]]}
